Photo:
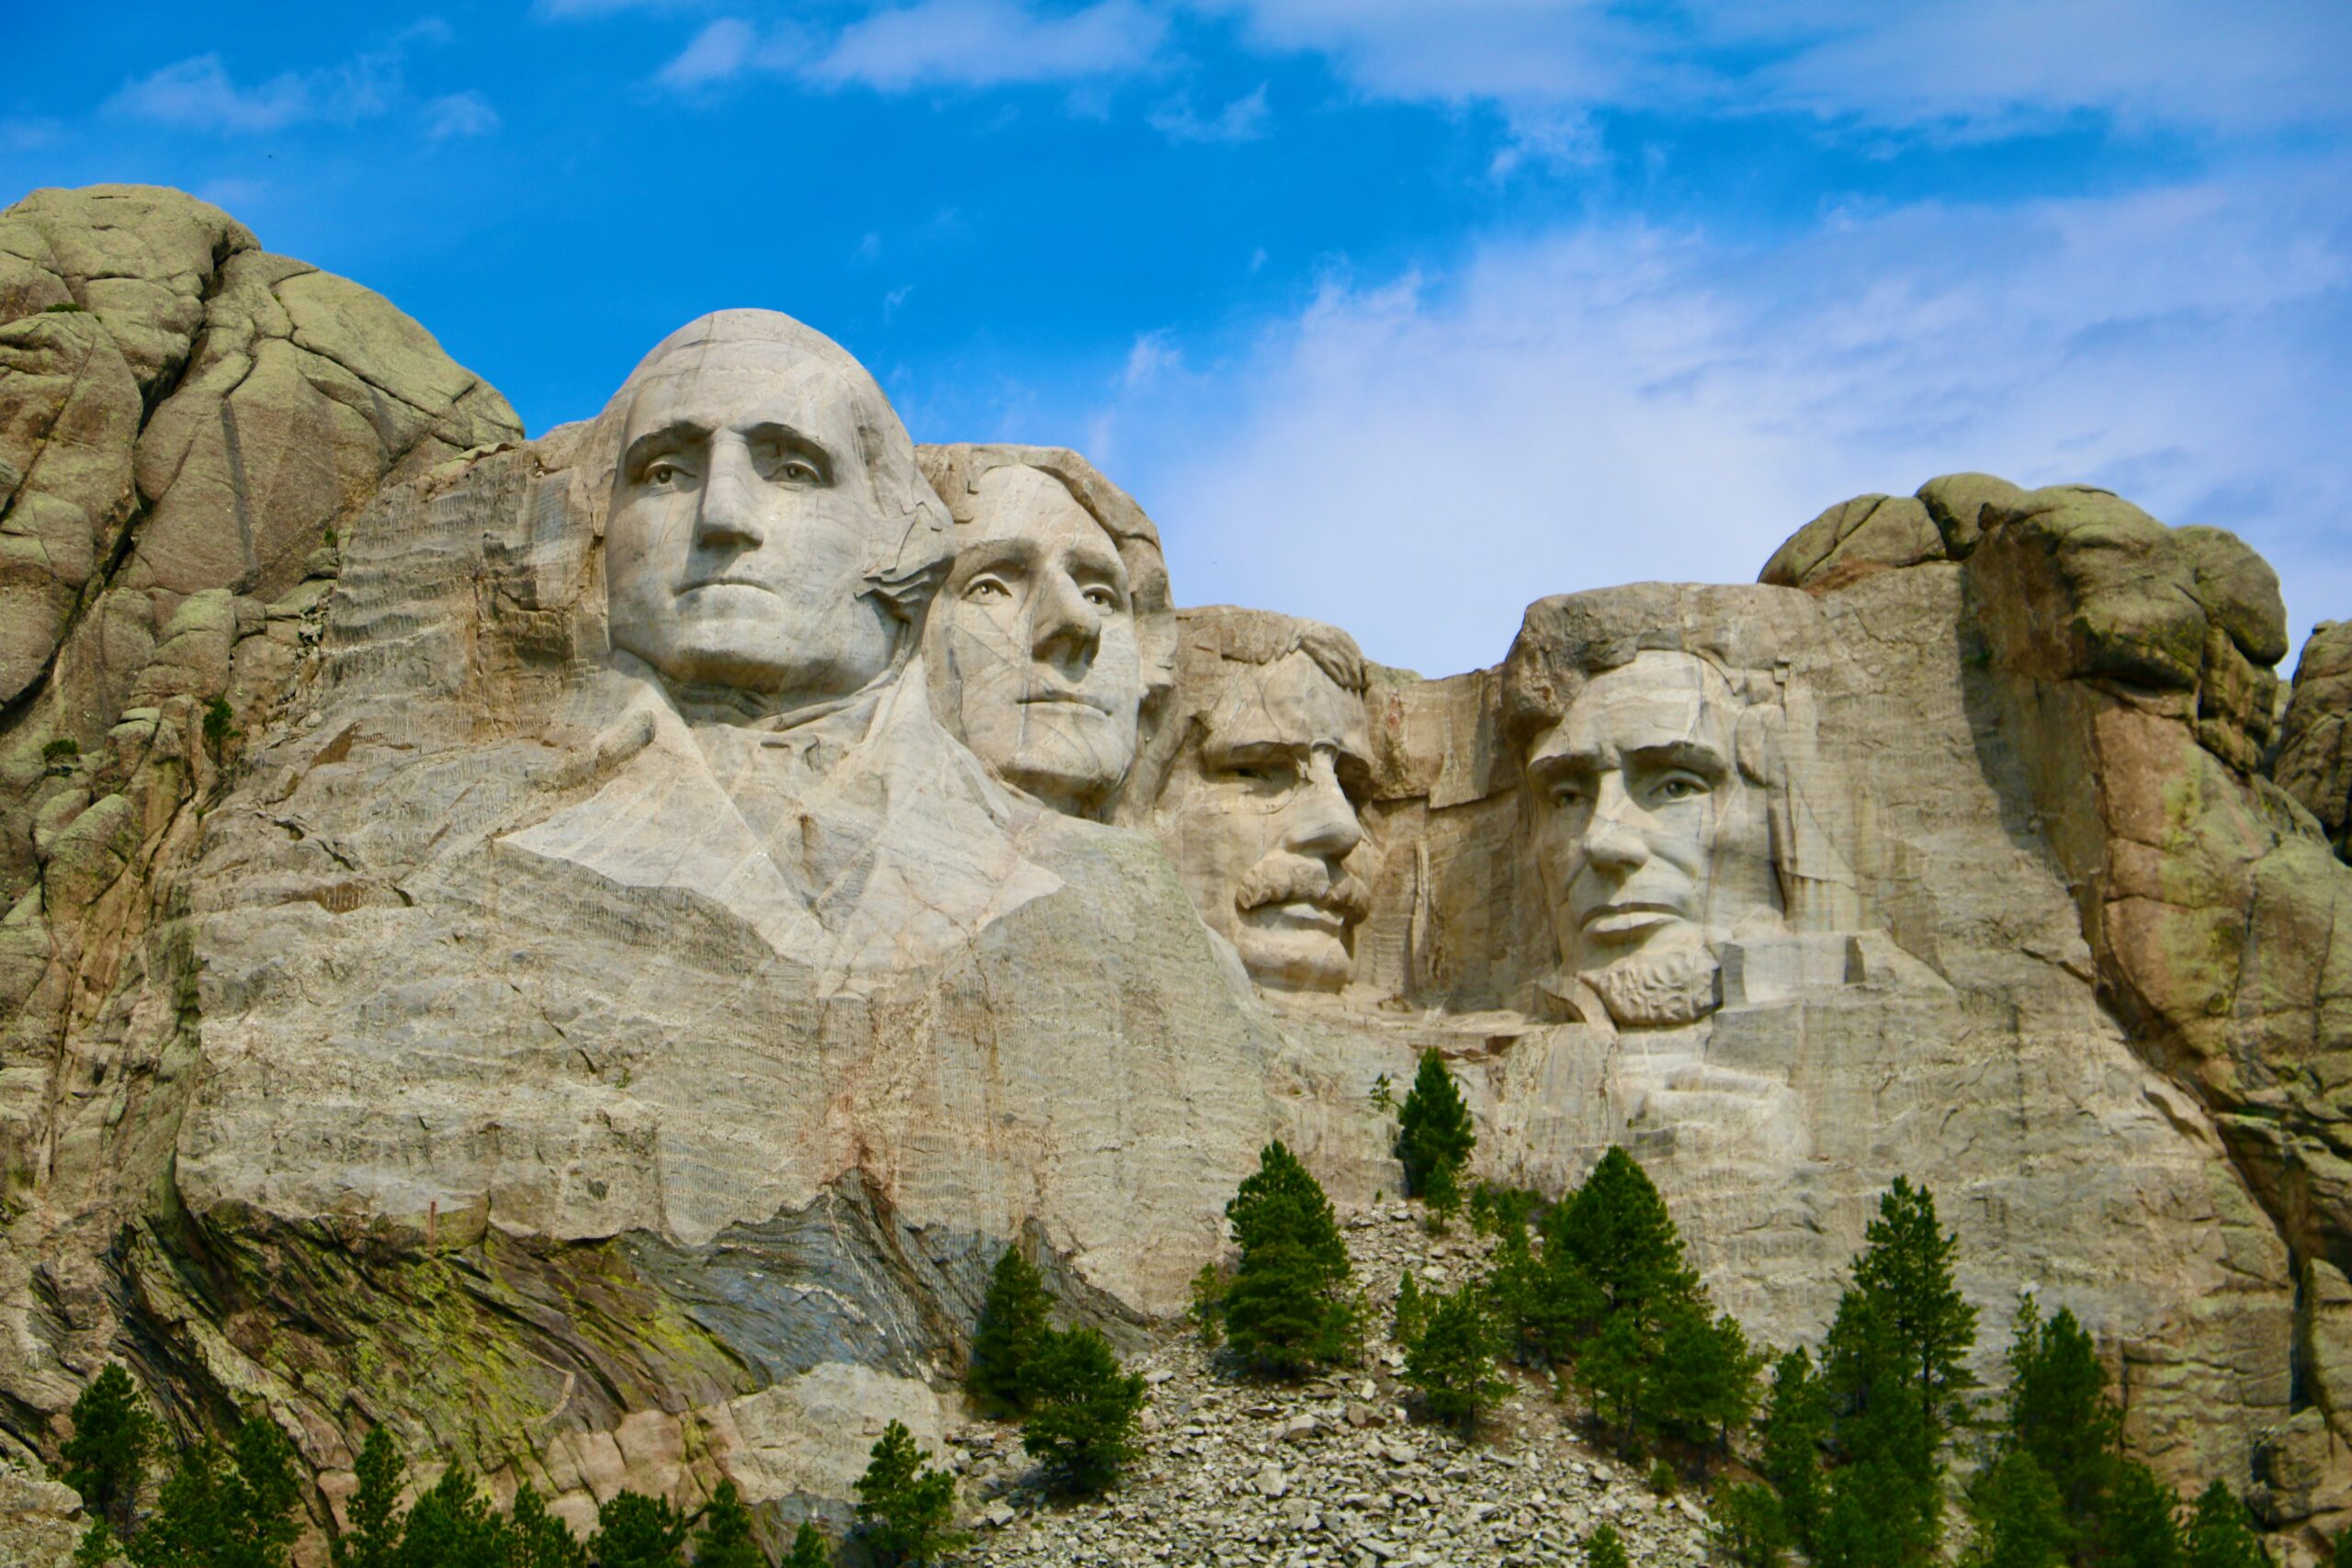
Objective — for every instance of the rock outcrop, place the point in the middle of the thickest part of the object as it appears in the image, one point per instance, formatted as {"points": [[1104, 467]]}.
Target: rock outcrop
{"points": [[581, 952]]}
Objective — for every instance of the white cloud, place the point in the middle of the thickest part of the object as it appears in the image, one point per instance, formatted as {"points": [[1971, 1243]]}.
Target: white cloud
{"points": [[460, 114], [980, 43], [1418, 459], [1972, 63], [718, 53], [199, 93], [1243, 119]]}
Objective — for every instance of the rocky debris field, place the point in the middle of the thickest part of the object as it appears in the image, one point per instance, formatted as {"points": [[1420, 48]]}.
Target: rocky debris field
{"points": [[1330, 1470]]}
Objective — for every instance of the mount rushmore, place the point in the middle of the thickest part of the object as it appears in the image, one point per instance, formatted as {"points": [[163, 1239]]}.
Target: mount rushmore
{"points": [[583, 950]]}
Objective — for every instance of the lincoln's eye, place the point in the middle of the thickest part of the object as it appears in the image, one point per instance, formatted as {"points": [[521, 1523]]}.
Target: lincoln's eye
{"points": [[1569, 794], [1681, 788]]}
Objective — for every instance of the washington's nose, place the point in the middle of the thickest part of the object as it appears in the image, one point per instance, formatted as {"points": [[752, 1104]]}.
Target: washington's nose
{"points": [[1322, 822], [1612, 839], [729, 515], [1064, 628]]}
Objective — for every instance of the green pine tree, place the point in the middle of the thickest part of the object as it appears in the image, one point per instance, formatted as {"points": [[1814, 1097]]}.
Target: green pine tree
{"points": [[636, 1532], [2141, 1528], [1012, 1326], [1704, 1382], [1796, 1423], [723, 1539], [1616, 1232], [108, 1452], [2220, 1533], [1082, 1413], [537, 1539], [225, 1508], [452, 1526], [903, 1508], [1750, 1530], [2340, 1554], [809, 1549], [374, 1538], [1434, 1132], [2021, 1516], [1412, 1312], [1602, 1549], [1452, 1361], [2060, 1414], [1285, 1311]]}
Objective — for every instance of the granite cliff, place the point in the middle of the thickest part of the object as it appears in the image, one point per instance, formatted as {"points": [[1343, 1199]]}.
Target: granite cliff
{"points": [[583, 950]]}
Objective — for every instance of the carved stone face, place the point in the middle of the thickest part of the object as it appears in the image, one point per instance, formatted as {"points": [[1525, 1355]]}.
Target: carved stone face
{"points": [[1036, 631], [1262, 821], [1648, 835], [742, 524]]}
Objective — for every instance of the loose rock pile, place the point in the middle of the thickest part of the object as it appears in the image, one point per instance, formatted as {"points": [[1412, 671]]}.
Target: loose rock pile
{"points": [[1330, 1470]]}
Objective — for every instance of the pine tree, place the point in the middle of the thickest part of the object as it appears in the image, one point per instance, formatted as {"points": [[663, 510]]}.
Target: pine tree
{"points": [[1704, 1381], [723, 1539], [903, 1508], [1284, 1312], [537, 1539], [1603, 1549], [1452, 1361], [2219, 1535], [1434, 1132], [2021, 1516], [1615, 1230], [2340, 1555], [1796, 1423], [1013, 1325], [1907, 1316], [1412, 1312], [1894, 1368], [636, 1532], [452, 1526], [1082, 1414], [2060, 1414], [107, 1452], [2142, 1526], [809, 1549], [374, 1538], [1751, 1529], [225, 1510]]}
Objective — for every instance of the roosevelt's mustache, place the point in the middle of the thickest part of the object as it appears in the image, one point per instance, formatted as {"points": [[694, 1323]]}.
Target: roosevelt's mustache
{"points": [[1294, 882]]}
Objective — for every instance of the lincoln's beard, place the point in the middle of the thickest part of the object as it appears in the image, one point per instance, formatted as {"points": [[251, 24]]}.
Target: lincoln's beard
{"points": [[1648, 989]]}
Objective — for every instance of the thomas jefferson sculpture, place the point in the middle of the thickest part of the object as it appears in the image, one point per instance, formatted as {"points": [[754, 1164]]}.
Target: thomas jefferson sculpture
{"points": [[1053, 637]]}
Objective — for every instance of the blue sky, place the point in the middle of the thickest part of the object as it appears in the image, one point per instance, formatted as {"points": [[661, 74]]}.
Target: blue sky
{"points": [[1393, 312]]}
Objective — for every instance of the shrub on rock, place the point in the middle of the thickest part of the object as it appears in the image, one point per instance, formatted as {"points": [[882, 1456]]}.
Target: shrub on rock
{"points": [[1285, 1311], [903, 1508], [1083, 1412], [1011, 1327]]}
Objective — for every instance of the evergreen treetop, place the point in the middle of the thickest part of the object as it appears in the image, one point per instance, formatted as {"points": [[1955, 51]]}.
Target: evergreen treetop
{"points": [[1082, 1413], [1451, 1361], [1903, 1317], [1602, 1549], [1434, 1134], [2220, 1533], [723, 1539], [1283, 1311], [105, 1455], [1012, 1326], [809, 1549], [225, 1508], [903, 1508], [1616, 1231], [375, 1533]]}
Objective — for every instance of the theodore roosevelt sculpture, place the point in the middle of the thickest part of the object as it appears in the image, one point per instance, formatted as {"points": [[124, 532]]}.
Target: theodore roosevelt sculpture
{"points": [[764, 735], [1053, 637], [1259, 792]]}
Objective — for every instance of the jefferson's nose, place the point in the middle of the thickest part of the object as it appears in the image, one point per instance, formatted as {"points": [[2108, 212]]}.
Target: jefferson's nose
{"points": [[1321, 821], [727, 515], [1613, 839], [1064, 628]]}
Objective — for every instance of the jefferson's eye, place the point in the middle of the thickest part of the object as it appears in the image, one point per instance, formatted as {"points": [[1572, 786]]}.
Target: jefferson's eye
{"points": [[1102, 598], [986, 589]]}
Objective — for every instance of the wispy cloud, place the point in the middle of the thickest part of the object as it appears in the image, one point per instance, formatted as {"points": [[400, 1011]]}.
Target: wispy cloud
{"points": [[1243, 119], [1978, 65], [932, 43], [460, 114], [201, 93], [1607, 405]]}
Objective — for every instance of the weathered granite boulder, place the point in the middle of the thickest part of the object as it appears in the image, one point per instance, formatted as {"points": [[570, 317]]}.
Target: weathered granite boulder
{"points": [[2315, 762]]}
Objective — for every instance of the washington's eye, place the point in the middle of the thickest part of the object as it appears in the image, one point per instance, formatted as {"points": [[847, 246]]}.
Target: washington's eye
{"points": [[662, 473], [799, 470]]}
